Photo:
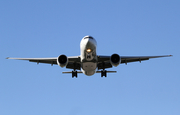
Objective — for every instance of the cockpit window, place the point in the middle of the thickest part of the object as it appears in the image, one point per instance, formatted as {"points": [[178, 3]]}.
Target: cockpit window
{"points": [[88, 37]]}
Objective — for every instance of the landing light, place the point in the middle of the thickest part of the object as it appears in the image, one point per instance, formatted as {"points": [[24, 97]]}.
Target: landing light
{"points": [[88, 50]]}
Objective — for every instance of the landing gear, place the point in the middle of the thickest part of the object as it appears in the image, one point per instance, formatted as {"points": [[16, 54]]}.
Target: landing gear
{"points": [[74, 74], [103, 73]]}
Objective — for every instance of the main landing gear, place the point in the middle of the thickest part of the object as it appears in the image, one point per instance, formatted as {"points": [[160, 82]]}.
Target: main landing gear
{"points": [[103, 73], [74, 74]]}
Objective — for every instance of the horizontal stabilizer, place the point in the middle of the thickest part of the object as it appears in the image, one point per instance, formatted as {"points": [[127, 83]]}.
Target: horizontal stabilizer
{"points": [[96, 72], [71, 72], [107, 71]]}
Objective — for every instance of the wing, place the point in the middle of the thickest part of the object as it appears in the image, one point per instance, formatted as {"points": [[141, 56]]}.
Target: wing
{"points": [[73, 62], [128, 59], [104, 61], [39, 60]]}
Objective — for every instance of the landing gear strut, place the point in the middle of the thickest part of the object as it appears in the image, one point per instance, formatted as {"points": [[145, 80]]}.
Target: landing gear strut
{"points": [[103, 73], [74, 73]]}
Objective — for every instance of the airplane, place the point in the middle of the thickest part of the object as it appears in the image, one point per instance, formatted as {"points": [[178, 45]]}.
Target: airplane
{"points": [[89, 62]]}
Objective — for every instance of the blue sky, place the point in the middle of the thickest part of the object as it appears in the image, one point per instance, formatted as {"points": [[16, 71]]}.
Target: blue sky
{"points": [[49, 28]]}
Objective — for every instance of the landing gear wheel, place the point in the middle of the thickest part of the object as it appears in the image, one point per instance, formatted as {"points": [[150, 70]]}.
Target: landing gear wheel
{"points": [[103, 73], [74, 73]]}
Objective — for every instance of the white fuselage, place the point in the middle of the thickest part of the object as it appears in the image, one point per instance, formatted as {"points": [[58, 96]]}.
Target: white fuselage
{"points": [[88, 55]]}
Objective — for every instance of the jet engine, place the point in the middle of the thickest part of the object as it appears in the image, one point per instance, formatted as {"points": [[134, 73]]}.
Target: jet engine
{"points": [[62, 60], [115, 60]]}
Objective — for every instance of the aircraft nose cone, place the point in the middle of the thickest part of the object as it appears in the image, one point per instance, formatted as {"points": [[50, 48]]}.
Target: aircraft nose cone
{"points": [[88, 42]]}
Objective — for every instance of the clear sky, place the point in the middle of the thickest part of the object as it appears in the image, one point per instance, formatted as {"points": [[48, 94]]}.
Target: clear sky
{"points": [[49, 28]]}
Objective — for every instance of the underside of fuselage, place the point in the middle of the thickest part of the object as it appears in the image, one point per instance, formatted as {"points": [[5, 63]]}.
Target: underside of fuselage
{"points": [[88, 55]]}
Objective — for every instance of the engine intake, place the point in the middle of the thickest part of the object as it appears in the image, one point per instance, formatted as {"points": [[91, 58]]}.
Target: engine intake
{"points": [[115, 60], [62, 60]]}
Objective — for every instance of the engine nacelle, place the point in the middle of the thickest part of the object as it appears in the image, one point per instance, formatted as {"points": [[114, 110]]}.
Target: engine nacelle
{"points": [[115, 60], [62, 60]]}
